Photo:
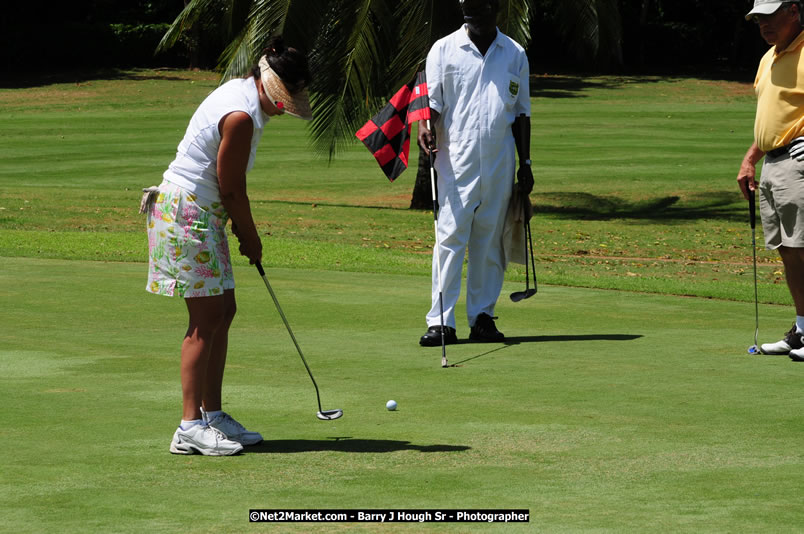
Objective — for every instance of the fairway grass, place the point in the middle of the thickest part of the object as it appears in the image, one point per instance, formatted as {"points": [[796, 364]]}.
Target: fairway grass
{"points": [[604, 411], [635, 183]]}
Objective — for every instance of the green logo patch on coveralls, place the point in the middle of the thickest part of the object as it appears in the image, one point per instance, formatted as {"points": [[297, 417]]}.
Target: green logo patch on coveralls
{"points": [[513, 88]]}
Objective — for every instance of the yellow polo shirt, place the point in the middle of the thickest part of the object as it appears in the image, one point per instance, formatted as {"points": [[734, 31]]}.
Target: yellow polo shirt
{"points": [[779, 86]]}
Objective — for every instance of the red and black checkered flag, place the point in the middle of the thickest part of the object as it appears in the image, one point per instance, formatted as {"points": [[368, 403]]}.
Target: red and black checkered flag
{"points": [[387, 134]]}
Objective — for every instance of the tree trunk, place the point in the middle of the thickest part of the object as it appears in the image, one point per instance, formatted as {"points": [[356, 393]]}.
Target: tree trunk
{"points": [[194, 44], [642, 31], [422, 198]]}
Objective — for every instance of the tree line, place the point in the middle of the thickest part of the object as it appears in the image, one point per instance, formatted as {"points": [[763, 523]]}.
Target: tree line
{"points": [[602, 36]]}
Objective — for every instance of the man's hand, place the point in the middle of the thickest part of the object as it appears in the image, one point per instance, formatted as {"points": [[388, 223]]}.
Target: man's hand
{"points": [[521, 132], [426, 139], [746, 176], [524, 179]]}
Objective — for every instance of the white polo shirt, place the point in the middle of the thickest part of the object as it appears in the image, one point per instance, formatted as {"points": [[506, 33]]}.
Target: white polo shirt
{"points": [[195, 168], [478, 97]]}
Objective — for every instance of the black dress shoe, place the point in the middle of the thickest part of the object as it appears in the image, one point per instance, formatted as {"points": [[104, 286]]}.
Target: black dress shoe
{"points": [[485, 330], [432, 338]]}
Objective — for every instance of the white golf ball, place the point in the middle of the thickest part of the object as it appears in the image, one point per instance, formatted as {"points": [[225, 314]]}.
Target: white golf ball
{"points": [[391, 405]]}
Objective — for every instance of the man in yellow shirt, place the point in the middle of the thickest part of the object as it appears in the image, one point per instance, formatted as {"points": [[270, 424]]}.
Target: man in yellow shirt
{"points": [[779, 138]]}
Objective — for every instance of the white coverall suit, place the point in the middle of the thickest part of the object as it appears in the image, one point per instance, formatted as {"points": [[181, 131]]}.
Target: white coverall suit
{"points": [[478, 97]]}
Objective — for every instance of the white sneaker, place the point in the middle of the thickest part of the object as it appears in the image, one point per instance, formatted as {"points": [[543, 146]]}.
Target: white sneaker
{"points": [[797, 355], [232, 429], [203, 439], [792, 341]]}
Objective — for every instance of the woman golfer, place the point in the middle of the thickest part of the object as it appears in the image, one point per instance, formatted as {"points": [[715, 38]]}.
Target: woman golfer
{"points": [[202, 189]]}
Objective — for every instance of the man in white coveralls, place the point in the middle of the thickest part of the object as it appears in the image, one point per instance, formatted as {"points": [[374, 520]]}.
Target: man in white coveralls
{"points": [[477, 79]]}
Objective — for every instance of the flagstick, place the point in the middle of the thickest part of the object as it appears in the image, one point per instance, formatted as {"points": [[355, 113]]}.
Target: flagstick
{"points": [[438, 256]]}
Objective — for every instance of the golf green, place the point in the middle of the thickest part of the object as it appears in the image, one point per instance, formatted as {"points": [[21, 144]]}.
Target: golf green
{"points": [[603, 410]]}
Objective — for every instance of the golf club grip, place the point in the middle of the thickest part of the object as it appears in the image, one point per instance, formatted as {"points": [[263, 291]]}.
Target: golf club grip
{"points": [[433, 185], [752, 207], [260, 269]]}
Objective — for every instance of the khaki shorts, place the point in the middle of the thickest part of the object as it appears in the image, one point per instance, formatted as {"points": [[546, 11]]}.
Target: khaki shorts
{"points": [[781, 202], [188, 250]]}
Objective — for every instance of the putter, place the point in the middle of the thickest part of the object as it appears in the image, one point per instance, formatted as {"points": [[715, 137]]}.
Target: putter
{"points": [[516, 296], [754, 349], [324, 415], [438, 256]]}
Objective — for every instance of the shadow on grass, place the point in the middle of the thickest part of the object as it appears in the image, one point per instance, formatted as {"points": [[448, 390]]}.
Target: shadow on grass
{"points": [[330, 205], [722, 205], [573, 86], [518, 340], [348, 444], [40, 79]]}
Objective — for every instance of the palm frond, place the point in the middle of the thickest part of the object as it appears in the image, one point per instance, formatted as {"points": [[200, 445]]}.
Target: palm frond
{"points": [[591, 28], [579, 24], [304, 20], [265, 19], [348, 67], [261, 21], [415, 35], [235, 16], [237, 58], [194, 10], [514, 20], [361, 51]]}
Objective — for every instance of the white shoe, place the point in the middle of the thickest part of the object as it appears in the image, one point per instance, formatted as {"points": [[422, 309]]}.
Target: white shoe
{"points": [[232, 429], [792, 341], [797, 355], [204, 440]]}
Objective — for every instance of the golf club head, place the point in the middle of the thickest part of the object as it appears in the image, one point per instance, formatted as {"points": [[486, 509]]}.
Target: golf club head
{"points": [[329, 415], [753, 349], [516, 296]]}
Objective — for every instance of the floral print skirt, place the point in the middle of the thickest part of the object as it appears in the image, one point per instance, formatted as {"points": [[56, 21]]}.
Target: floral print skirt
{"points": [[187, 246]]}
